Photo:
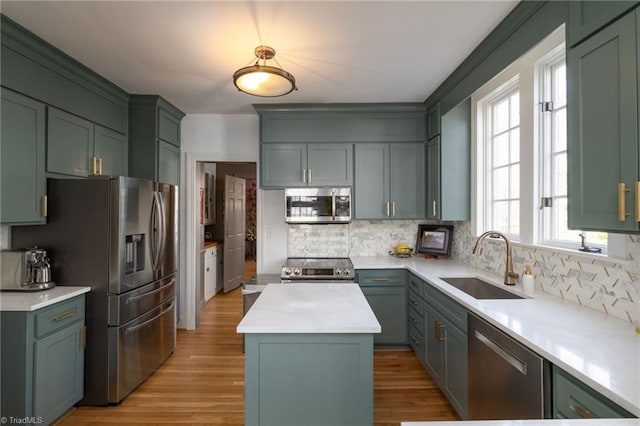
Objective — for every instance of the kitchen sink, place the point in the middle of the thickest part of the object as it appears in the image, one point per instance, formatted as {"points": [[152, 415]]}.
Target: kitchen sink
{"points": [[480, 289]]}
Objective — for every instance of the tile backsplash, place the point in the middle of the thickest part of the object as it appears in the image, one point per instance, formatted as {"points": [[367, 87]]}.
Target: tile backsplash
{"points": [[606, 285]]}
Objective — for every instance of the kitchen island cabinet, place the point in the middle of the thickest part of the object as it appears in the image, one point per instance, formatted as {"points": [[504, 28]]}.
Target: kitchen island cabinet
{"points": [[42, 364], [309, 356]]}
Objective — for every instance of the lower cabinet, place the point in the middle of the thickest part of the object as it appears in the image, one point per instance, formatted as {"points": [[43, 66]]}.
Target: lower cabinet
{"points": [[210, 272], [386, 292], [445, 325], [572, 399], [42, 364]]}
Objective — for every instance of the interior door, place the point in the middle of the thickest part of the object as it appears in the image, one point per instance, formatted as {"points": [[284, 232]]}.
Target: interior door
{"points": [[234, 232]]}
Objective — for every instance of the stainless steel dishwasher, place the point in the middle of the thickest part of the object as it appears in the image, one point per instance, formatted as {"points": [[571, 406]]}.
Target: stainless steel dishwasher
{"points": [[507, 381]]}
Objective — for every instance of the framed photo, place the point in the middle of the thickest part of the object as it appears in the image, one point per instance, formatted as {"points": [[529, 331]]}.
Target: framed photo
{"points": [[434, 239]]}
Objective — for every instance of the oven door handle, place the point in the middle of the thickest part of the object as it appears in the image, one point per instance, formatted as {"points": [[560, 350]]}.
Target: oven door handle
{"points": [[333, 206]]}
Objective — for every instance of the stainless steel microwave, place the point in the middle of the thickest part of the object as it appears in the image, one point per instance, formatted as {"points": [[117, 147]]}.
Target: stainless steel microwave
{"points": [[317, 205]]}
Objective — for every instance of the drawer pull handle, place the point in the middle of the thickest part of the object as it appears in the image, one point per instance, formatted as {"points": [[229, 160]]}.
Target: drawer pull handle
{"points": [[413, 301], [622, 210], [65, 316], [414, 341], [582, 412], [381, 280]]}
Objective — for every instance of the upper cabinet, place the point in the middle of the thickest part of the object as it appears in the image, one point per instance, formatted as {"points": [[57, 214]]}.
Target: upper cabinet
{"points": [[587, 17], [603, 146], [154, 130], [22, 153], [313, 145], [78, 147], [449, 165], [389, 181], [299, 165]]}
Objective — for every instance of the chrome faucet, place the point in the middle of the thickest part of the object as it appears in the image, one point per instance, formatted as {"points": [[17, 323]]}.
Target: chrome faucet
{"points": [[509, 275]]}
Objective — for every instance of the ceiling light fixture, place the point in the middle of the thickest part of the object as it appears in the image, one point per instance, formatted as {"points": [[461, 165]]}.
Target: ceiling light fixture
{"points": [[264, 80]]}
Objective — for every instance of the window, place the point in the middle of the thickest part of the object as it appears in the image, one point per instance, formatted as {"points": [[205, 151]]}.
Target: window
{"points": [[521, 151], [502, 160]]}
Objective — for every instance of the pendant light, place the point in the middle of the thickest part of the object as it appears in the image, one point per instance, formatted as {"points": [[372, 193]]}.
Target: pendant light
{"points": [[264, 80]]}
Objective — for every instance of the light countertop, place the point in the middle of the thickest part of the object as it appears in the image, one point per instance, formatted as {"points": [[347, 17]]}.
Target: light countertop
{"points": [[559, 422], [11, 301], [310, 308], [600, 350]]}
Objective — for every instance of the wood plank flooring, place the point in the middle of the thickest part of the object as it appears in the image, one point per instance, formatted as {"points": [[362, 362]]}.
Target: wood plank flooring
{"points": [[202, 383]]}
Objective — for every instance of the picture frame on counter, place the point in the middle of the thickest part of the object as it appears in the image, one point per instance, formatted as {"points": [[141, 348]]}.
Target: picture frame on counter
{"points": [[434, 239]]}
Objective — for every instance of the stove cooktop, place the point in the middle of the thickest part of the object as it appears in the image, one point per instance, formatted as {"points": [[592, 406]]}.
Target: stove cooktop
{"points": [[306, 268]]}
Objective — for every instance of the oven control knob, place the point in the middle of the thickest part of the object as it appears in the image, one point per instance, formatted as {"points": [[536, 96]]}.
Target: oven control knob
{"points": [[287, 271], [346, 272], [338, 271], [297, 271]]}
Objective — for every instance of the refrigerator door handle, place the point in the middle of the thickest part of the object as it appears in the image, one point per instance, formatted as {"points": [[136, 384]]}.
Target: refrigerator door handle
{"points": [[155, 231], [163, 231]]}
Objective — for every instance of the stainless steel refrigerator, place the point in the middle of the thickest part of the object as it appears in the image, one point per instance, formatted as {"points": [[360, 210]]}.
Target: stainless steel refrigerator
{"points": [[118, 235]]}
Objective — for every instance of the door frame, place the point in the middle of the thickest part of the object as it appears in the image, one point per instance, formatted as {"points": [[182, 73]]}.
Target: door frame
{"points": [[190, 226]]}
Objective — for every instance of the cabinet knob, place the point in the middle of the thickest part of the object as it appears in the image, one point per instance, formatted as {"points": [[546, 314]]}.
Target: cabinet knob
{"points": [[208, 269]]}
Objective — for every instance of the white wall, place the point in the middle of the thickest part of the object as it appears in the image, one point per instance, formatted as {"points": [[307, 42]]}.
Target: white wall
{"points": [[220, 138]]}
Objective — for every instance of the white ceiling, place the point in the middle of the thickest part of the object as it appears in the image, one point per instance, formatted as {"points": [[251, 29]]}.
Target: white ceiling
{"points": [[338, 51]]}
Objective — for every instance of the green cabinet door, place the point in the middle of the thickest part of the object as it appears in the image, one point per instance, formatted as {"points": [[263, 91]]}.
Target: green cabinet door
{"points": [[456, 367], [59, 372], [22, 156], [389, 304], [330, 164], [433, 179], [434, 357], [603, 127], [111, 148], [168, 163], [371, 181], [406, 174], [283, 165], [588, 16], [69, 144]]}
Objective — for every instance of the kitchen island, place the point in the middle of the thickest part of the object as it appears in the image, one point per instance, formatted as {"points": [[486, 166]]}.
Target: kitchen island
{"points": [[309, 356]]}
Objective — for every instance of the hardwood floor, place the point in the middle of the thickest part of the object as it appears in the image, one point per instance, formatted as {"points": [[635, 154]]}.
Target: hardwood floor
{"points": [[203, 382]]}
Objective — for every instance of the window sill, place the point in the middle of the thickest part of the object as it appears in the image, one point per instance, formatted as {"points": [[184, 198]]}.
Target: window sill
{"points": [[594, 256]]}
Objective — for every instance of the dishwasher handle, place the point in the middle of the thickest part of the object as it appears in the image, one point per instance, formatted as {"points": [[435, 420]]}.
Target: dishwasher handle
{"points": [[501, 352]]}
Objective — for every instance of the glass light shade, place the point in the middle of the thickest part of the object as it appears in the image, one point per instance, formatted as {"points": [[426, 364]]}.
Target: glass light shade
{"points": [[264, 81]]}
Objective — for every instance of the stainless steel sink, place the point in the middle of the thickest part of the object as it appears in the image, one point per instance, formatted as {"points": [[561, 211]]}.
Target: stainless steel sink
{"points": [[480, 289]]}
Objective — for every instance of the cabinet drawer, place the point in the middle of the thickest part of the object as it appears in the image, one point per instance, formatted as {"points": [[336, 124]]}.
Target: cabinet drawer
{"points": [[58, 316], [415, 303], [573, 399], [415, 320], [376, 277], [416, 341], [455, 313], [416, 284]]}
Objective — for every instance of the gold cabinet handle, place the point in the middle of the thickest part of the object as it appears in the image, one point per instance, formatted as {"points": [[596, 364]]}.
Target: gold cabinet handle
{"points": [[304, 175], [65, 316], [381, 280], [433, 208], [637, 201], [622, 209], [94, 165], [83, 342], [387, 209], [582, 412], [44, 206], [413, 301], [100, 165], [442, 336], [393, 208]]}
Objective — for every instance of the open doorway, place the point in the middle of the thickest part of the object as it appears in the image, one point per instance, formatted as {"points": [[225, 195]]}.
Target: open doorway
{"points": [[226, 197]]}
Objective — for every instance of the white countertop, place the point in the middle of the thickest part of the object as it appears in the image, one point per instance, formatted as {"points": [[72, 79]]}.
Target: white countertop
{"points": [[600, 350], [20, 301], [310, 308], [559, 422]]}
